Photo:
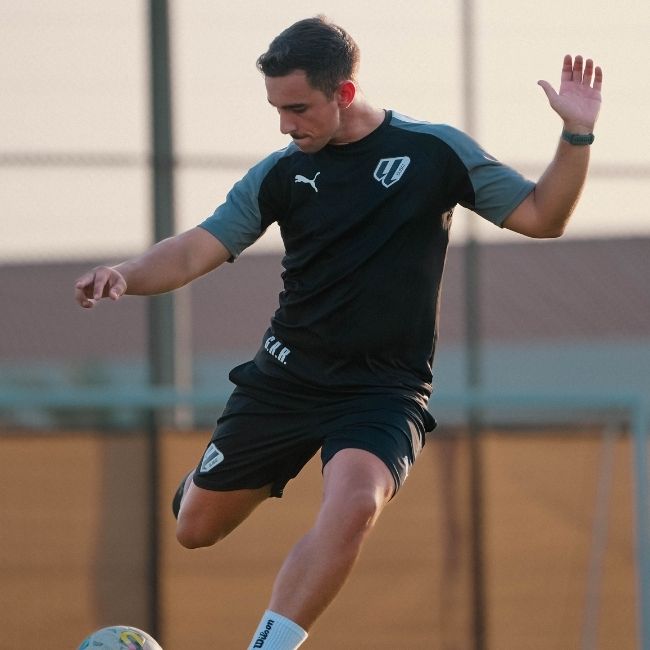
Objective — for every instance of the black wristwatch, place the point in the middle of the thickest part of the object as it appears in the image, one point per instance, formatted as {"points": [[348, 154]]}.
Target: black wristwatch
{"points": [[578, 138]]}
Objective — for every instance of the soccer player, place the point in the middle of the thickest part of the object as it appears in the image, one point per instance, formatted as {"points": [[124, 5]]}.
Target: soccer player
{"points": [[364, 199]]}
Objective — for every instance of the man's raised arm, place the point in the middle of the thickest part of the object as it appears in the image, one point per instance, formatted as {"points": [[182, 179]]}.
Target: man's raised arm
{"points": [[546, 211]]}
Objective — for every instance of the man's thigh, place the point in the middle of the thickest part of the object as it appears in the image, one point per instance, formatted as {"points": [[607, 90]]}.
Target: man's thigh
{"points": [[206, 516], [390, 428], [257, 443]]}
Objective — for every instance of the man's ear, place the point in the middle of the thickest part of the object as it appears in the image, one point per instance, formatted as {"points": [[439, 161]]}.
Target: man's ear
{"points": [[346, 92]]}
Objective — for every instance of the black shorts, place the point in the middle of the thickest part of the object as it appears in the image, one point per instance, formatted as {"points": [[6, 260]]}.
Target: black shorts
{"points": [[270, 429]]}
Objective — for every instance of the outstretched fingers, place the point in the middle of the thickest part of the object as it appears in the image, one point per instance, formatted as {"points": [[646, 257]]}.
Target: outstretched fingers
{"points": [[598, 78], [567, 69], [582, 72], [588, 72], [578, 98], [593, 75]]}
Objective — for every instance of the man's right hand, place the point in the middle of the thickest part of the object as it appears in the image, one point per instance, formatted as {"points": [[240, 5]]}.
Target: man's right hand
{"points": [[101, 282]]}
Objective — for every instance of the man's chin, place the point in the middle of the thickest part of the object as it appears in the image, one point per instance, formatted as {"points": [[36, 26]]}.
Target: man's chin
{"points": [[307, 145]]}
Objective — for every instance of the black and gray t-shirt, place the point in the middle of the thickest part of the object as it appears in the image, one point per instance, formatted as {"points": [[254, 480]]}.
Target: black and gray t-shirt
{"points": [[365, 228]]}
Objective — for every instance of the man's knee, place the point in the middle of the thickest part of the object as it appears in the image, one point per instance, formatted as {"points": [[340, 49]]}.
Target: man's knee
{"points": [[188, 538], [355, 494], [191, 534], [363, 506], [208, 516]]}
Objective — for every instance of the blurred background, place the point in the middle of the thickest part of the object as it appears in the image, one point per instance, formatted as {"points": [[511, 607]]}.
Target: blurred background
{"points": [[525, 523]]}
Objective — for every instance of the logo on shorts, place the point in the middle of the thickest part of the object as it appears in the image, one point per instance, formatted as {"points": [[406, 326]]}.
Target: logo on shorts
{"points": [[212, 457], [390, 170]]}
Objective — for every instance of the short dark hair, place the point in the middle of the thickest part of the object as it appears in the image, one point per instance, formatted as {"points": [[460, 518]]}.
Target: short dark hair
{"points": [[326, 52]]}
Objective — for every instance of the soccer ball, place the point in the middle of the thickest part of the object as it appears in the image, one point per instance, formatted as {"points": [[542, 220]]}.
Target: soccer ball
{"points": [[119, 637]]}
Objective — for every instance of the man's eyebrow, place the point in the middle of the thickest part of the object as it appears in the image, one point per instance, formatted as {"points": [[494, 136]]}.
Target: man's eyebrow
{"points": [[288, 107]]}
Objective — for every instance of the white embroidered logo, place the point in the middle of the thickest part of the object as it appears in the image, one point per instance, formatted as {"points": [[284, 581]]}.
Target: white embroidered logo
{"points": [[390, 170], [212, 457], [303, 179], [276, 349]]}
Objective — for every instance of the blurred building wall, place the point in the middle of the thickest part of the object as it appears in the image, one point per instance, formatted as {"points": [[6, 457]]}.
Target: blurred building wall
{"points": [[557, 316]]}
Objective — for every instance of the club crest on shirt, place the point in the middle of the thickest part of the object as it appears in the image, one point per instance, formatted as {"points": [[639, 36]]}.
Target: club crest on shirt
{"points": [[390, 170]]}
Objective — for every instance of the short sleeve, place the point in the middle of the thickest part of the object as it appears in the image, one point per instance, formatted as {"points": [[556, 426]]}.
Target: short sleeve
{"points": [[494, 190], [237, 223]]}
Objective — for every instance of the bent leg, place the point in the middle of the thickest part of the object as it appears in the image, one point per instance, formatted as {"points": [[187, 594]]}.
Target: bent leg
{"points": [[206, 516], [357, 485]]}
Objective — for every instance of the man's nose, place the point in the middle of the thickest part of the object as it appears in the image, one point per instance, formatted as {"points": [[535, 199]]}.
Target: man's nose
{"points": [[287, 124]]}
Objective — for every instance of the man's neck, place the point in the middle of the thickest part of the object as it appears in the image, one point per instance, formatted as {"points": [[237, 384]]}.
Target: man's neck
{"points": [[358, 121]]}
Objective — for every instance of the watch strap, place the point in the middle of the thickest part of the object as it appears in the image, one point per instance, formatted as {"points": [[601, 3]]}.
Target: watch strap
{"points": [[579, 139]]}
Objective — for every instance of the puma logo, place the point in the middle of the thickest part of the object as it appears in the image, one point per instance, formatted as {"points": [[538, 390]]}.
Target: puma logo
{"points": [[303, 179]]}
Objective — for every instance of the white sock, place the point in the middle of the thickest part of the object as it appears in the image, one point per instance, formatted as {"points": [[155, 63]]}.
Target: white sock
{"points": [[276, 632]]}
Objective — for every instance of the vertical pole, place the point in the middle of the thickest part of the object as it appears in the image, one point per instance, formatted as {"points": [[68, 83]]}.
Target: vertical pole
{"points": [[473, 361], [161, 308], [474, 425]]}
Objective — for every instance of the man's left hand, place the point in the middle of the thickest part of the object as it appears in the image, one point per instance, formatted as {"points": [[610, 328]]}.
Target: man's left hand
{"points": [[578, 100]]}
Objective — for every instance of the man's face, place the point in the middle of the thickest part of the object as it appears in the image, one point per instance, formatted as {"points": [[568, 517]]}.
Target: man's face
{"points": [[306, 114]]}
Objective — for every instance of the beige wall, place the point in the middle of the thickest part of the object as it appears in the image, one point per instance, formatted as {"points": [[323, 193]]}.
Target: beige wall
{"points": [[73, 545]]}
